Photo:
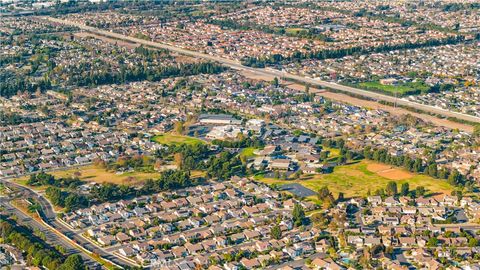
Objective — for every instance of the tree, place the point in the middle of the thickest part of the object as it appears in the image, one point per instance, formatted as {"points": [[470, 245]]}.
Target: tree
{"points": [[405, 189], [473, 242], [55, 195], [298, 174], [324, 155], [298, 215], [476, 131], [276, 232], [178, 158], [324, 193], [73, 262], [179, 128], [432, 170], [391, 188], [417, 165], [319, 219], [420, 191], [275, 82], [432, 242], [455, 178]]}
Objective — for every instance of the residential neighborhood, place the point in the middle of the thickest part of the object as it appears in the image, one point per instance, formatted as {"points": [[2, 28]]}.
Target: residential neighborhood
{"points": [[233, 135]]}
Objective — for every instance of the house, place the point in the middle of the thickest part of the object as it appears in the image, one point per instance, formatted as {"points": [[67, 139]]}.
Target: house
{"points": [[325, 264], [107, 240], [250, 263], [127, 251], [122, 237], [281, 164]]}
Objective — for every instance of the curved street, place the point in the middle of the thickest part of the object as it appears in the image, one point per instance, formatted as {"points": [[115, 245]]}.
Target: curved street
{"points": [[49, 216]]}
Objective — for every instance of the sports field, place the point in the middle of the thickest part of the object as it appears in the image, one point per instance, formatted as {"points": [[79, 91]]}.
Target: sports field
{"points": [[169, 138]]}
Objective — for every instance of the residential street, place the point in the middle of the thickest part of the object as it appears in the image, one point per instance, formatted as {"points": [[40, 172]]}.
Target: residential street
{"points": [[272, 72]]}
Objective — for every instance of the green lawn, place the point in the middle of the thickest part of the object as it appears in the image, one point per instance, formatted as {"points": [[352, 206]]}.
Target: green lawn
{"points": [[333, 153], [401, 89], [357, 180], [248, 152], [2, 189], [169, 138]]}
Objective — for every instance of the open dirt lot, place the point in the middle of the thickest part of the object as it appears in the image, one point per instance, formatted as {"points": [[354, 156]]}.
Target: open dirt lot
{"points": [[93, 173], [358, 178], [389, 172]]}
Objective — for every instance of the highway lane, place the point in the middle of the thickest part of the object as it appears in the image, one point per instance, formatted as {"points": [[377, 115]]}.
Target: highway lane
{"points": [[272, 72], [49, 216], [51, 238]]}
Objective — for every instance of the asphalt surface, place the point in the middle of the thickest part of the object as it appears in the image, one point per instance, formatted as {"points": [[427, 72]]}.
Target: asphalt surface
{"points": [[298, 190], [272, 72], [50, 237], [49, 216]]}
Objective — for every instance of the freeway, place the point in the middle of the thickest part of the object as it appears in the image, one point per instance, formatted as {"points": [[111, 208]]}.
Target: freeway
{"points": [[49, 216], [272, 72]]}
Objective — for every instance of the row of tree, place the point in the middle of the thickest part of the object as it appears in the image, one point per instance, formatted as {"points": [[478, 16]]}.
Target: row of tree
{"points": [[45, 179], [38, 253], [84, 75], [69, 199], [15, 119], [391, 189], [309, 33], [276, 59], [68, 196], [11, 86], [242, 142], [415, 165], [222, 166], [98, 72]]}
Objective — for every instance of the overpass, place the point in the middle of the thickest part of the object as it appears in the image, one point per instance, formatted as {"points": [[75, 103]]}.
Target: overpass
{"points": [[272, 72]]}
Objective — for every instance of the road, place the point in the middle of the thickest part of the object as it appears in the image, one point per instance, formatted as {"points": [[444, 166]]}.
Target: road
{"points": [[49, 216], [272, 72], [51, 238]]}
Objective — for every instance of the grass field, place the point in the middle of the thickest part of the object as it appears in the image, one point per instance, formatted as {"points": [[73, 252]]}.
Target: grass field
{"points": [[294, 31], [401, 89], [334, 153], [248, 152], [357, 179], [92, 173], [169, 138]]}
